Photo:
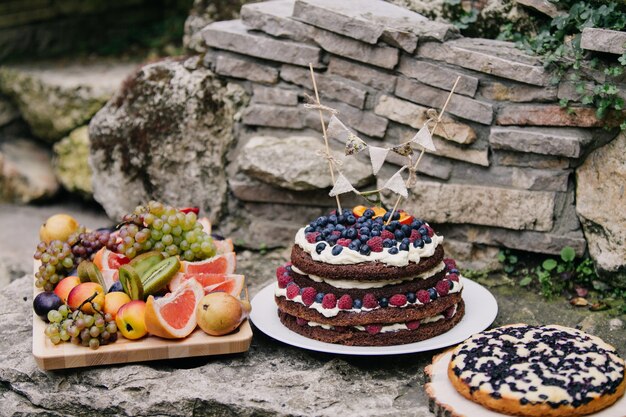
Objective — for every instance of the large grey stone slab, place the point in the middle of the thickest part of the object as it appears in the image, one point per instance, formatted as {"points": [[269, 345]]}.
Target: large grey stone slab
{"points": [[546, 141], [243, 67], [55, 97], [600, 206], [274, 18], [516, 92], [274, 95], [413, 115], [328, 85], [530, 160], [485, 60], [165, 137], [430, 165], [514, 177], [232, 35], [378, 55], [273, 116], [71, 162], [480, 205], [372, 21], [373, 77], [603, 40], [364, 122], [296, 163], [553, 115], [461, 106], [26, 172], [543, 6], [438, 76]]}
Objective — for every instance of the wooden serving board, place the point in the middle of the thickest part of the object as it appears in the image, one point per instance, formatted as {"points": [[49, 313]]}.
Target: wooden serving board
{"points": [[67, 355]]}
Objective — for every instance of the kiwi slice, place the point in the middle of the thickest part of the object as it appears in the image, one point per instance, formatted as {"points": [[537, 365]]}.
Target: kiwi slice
{"points": [[157, 277], [89, 272], [145, 261], [131, 283]]}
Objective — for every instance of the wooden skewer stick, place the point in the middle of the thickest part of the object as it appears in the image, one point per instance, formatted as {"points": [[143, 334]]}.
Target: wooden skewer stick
{"points": [[443, 109], [330, 164]]}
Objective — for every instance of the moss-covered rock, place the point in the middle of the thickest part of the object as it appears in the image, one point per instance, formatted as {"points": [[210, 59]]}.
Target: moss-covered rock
{"points": [[71, 164]]}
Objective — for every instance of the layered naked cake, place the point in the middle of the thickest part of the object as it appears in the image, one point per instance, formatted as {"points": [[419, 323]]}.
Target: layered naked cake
{"points": [[359, 278]]}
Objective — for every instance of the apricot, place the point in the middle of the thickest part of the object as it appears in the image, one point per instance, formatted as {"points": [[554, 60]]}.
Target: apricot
{"points": [[66, 285], [113, 301], [82, 292], [130, 320]]}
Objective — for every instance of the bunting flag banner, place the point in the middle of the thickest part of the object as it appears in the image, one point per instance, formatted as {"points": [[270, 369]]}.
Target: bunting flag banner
{"points": [[337, 130], [377, 157], [396, 184], [403, 149], [425, 139], [342, 186]]}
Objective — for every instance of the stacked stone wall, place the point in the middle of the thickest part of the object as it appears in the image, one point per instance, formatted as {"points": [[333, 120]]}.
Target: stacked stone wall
{"points": [[502, 173]]}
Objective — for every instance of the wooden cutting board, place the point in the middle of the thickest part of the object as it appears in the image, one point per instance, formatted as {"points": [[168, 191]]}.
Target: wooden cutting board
{"points": [[67, 355]]}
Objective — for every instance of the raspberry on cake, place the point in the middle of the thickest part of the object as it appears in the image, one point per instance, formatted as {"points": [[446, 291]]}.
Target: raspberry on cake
{"points": [[368, 279], [538, 371]]}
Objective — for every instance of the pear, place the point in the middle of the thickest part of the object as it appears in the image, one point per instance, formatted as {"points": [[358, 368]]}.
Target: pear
{"points": [[58, 227], [220, 313]]}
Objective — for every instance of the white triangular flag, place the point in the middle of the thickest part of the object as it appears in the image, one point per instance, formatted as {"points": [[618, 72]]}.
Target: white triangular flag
{"points": [[342, 186], [377, 157], [337, 130], [424, 138], [396, 184]]}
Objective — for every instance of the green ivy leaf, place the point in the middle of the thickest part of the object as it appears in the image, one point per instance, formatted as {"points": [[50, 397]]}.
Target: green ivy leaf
{"points": [[525, 281], [549, 264], [568, 254]]}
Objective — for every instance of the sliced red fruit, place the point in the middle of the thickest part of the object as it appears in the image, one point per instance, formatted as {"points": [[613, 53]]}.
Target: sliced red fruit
{"points": [[233, 286], [405, 218], [224, 246], [173, 316], [106, 259], [378, 212], [359, 210], [110, 276], [219, 264], [190, 210], [205, 280]]}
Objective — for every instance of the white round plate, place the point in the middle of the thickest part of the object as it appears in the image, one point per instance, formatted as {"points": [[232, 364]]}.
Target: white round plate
{"points": [[481, 309]]}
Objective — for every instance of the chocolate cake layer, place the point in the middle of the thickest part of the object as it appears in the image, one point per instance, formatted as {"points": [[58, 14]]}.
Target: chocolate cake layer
{"points": [[354, 337], [379, 316], [365, 271], [386, 291]]}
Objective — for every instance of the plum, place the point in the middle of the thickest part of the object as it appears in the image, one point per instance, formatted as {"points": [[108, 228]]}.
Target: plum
{"points": [[46, 301]]}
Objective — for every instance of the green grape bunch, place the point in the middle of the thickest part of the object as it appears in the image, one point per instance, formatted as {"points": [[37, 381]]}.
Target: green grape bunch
{"points": [[163, 228], [59, 258], [79, 328]]}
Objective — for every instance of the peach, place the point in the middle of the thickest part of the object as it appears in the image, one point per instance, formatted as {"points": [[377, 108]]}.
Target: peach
{"points": [[83, 292], [113, 301], [130, 320], [66, 285]]}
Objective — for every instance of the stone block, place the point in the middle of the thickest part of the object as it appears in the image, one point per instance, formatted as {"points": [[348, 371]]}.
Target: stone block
{"points": [[513, 177], [461, 106], [251, 190], [515, 92], [274, 95], [600, 206], [8, 112], [371, 21], [378, 79], [273, 161], [445, 148], [232, 35], [377, 55], [487, 60], [362, 121], [603, 40], [328, 85], [480, 205], [528, 160], [437, 75], [554, 115], [543, 6], [71, 162], [430, 165], [413, 115], [243, 67], [274, 18], [545, 141], [273, 116]]}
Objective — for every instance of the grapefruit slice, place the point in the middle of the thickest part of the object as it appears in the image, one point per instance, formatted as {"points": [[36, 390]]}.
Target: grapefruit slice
{"points": [[204, 279], [233, 286], [206, 225], [224, 246], [106, 259], [219, 264], [110, 276], [173, 316]]}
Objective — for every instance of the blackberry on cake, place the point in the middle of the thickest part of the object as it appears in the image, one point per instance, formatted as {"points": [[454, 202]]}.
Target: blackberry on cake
{"points": [[366, 277]]}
